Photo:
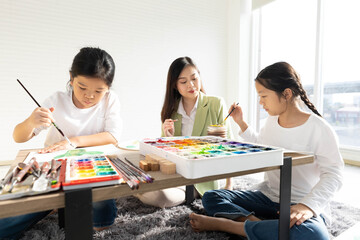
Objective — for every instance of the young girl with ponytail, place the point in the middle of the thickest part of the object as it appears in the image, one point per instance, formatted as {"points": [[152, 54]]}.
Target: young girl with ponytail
{"points": [[254, 214]]}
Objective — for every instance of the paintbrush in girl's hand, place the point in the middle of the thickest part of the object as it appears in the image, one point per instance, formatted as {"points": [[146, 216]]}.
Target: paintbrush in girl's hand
{"points": [[230, 113], [61, 132]]}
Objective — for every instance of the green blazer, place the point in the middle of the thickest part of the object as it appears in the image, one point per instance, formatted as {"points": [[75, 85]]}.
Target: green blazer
{"points": [[210, 110]]}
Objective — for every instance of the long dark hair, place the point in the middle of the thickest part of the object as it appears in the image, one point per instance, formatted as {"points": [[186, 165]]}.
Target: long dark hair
{"points": [[93, 62], [172, 95], [280, 76]]}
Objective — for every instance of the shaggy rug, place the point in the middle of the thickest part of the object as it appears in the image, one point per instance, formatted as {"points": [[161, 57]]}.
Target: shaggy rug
{"points": [[136, 220]]}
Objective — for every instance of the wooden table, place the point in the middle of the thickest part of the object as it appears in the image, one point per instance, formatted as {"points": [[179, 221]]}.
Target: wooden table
{"points": [[70, 215]]}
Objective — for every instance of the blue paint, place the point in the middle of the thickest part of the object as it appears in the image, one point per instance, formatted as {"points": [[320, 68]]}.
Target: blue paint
{"points": [[239, 152]]}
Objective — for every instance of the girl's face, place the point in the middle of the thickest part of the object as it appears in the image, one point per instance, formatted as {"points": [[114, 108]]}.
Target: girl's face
{"points": [[88, 91], [188, 83], [270, 101]]}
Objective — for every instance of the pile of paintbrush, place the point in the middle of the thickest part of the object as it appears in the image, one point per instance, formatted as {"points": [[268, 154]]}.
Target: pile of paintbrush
{"points": [[19, 173], [36, 178], [132, 174]]}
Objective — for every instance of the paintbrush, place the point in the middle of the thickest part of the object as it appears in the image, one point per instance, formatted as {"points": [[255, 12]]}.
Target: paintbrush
{"points": [[135, 175], [19, 176], [32, 171], [230, 113], [148, 178], [127, 179], [61, 132], [7, 179], [130, 174], [42, 183]]}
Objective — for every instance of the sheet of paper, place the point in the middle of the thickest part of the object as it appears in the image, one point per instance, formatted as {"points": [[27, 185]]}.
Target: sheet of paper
{"points": [[98, 150]]}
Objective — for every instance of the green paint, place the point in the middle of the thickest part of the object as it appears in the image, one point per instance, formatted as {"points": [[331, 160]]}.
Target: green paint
{"points": [[78, 152]]}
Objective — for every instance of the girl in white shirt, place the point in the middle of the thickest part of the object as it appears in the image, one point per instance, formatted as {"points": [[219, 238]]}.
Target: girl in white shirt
{"points": [[313, 185], [88, 113]]}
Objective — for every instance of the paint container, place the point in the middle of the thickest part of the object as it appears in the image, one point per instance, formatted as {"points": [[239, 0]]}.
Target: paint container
{"points": [[216, 130]]}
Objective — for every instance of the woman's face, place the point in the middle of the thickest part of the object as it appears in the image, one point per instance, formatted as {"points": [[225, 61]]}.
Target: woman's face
{"points": [[270, 101], [188, 83], [88, 91]]}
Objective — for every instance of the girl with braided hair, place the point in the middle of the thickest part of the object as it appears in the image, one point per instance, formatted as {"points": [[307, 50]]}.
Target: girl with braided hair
{"points": [[254, 213]]}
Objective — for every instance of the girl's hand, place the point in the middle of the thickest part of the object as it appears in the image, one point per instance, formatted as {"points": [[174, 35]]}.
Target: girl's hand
{"points": [[56, 147], [237, 114], [168, 127], [41, 117], [238, 117], [299, 213]]}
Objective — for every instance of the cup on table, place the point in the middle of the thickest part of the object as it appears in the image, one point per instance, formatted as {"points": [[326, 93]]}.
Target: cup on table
{"points": [[217, 130]]}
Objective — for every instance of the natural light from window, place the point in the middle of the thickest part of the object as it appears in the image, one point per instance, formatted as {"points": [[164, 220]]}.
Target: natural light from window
{"points": [[288, 33]]}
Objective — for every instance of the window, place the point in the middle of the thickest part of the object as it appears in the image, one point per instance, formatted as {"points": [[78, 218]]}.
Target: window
{"points": [[321, 41], [341, 51]]}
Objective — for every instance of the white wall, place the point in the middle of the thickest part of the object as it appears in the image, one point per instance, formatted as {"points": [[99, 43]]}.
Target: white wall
{"points": [[40, 38]]}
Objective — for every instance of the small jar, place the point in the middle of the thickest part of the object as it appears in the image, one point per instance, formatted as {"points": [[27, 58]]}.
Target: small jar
{"points": [[217, 130]]}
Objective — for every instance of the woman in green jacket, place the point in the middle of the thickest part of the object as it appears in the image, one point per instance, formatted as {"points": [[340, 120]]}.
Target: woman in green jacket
{"points": [[187, 111]]}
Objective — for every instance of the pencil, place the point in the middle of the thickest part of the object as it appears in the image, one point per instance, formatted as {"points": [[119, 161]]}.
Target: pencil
{"points": [[61, 132]]}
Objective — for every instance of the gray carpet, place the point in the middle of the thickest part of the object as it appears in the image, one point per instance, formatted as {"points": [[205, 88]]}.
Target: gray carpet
{"points": [[138, 221]]}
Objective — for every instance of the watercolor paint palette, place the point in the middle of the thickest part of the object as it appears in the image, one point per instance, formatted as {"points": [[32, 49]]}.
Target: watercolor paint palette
{"points": [[197, 157], [90, 171]]}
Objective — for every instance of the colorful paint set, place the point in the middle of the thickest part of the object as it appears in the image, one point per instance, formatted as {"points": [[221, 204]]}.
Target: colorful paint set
{"points": [[197, 157], [90, 171]]}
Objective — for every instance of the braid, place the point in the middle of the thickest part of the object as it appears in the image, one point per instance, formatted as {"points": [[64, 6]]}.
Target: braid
{"points": [[306, 100]]}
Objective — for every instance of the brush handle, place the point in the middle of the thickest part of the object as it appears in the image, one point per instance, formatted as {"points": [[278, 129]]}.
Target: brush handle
{"points": [[45, 168], [230, 112], [36, 167], [28, 93], [23, 171], [53, 169], [8, 177], [62, 134]]}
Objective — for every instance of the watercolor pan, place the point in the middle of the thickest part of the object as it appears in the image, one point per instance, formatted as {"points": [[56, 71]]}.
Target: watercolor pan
{"points": [[197, 157], [90, 171]]}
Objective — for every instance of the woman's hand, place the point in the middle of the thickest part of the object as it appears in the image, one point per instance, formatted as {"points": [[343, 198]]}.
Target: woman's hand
{"points": [[299, 213], [168, 127], [228, 184], [62, 145], [41, 117]]}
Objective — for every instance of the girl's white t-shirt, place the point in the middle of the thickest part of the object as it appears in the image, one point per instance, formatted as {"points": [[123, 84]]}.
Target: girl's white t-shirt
{"points": [[312, 184], [73, 121]]}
